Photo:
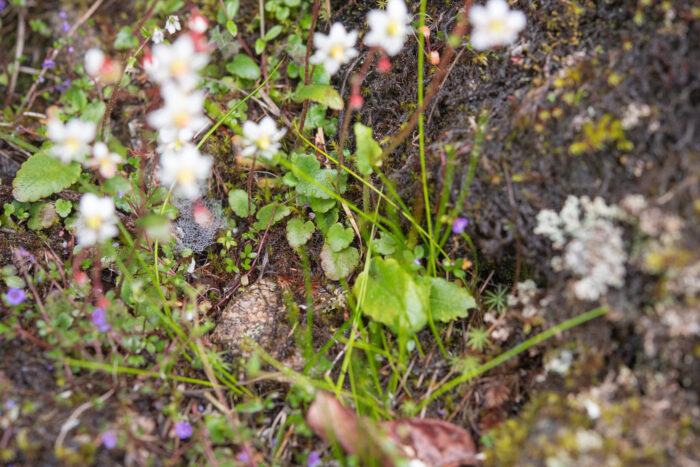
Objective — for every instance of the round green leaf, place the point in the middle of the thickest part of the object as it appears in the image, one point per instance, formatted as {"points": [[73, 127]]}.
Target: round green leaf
{"points": [[340, 264], [321, 93], [449, 301], [244, 67], [42, 175], [392, 296], [299, 232], [238, 200], [339, 238]]}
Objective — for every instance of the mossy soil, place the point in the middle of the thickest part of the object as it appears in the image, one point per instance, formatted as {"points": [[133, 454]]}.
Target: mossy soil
{"points": [[578, 65]]}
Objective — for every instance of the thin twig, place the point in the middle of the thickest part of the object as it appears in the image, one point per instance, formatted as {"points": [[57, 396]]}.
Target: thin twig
{"points": [[307, 76], [18, 55]]}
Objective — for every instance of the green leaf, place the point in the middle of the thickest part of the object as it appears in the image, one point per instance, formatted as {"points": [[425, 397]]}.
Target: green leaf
{"points": [[265, 214], [384, 245], [232, 28], [324, 220], [299, 232], [42, 175], [321, 205], [339, 238], [75, 100], [308, 165], [368, 154], [238, 200], [42, 216], [392, 296], [125, 40], [260, 45], [230, 12], [63, 207], [321, 93], [339, 264], [273, 32], [93, 112], [244, 67], [449, 301]]}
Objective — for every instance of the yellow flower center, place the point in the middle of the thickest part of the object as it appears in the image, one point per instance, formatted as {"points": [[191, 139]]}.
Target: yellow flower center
{"points": [[93, 222], [337, 52], [497, 27], [182, 119], [73, 144], [185, 176], [264, 143], [178, 67], [393, 28]]}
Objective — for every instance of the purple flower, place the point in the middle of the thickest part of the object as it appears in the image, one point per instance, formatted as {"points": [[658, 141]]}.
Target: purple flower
{"points": [[41, 79], [459, 225], [15, 296], [63, 15], [99, 318], [65, 27], [242, 457], [3, 4], [183, 429], [313, 460], [70, 49], [48, 63], [10, 404], [109, 439], [416, 261]]}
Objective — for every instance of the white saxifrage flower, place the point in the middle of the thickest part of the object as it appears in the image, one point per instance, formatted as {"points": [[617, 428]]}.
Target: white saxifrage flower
{"points": [[179, 62], [261, 138], [157, 37], [495, 24], [198, 23], [100, 67], [97, 221], [181, 116], [388, 28], [172, 24], [104, 161], [71, 140], [334, 49], [185, 169], [94, 59]]}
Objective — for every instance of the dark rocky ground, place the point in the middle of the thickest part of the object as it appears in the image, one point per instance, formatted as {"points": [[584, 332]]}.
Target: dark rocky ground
{"points": [[630, 396]]}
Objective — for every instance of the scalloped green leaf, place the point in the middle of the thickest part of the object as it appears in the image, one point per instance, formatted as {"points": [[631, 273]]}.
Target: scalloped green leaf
{"points": [[449, 301], [43, 175], [368, 154], [321, 93], [339, 238], [339, 264], [393, 297], [299, 232]]}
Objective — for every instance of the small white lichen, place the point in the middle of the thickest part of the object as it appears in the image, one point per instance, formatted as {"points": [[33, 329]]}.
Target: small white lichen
{"points": [[593, 247]]}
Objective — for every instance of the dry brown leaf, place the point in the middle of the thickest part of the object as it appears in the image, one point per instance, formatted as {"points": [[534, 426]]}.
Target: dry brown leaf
{"points": [[434, 442]]}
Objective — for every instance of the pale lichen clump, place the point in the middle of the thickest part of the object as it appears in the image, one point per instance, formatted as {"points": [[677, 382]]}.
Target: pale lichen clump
{"points": [[592, 245]]}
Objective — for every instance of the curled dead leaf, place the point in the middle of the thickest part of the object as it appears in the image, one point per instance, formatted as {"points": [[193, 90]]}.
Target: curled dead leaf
{"points": [[431, 441]]}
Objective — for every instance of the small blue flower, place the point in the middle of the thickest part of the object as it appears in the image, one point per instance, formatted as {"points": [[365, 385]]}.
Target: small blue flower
{"points": [[48, 63], [15, 296], [65, 27], [183, 429], [242, 457], [3, 4], [63, 15], [313, 460], [459, 225], [99, 319], [109, 439]]}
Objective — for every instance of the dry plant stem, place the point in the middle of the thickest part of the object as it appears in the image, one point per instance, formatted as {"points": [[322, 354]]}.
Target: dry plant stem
{"points": [[355, 82], [117, 86], [52, 55], [21, 28], [250, 186], [307, 75], [435, 84]]}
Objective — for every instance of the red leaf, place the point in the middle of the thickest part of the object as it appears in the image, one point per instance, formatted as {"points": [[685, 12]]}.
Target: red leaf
{"points": [[434, 442]]}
